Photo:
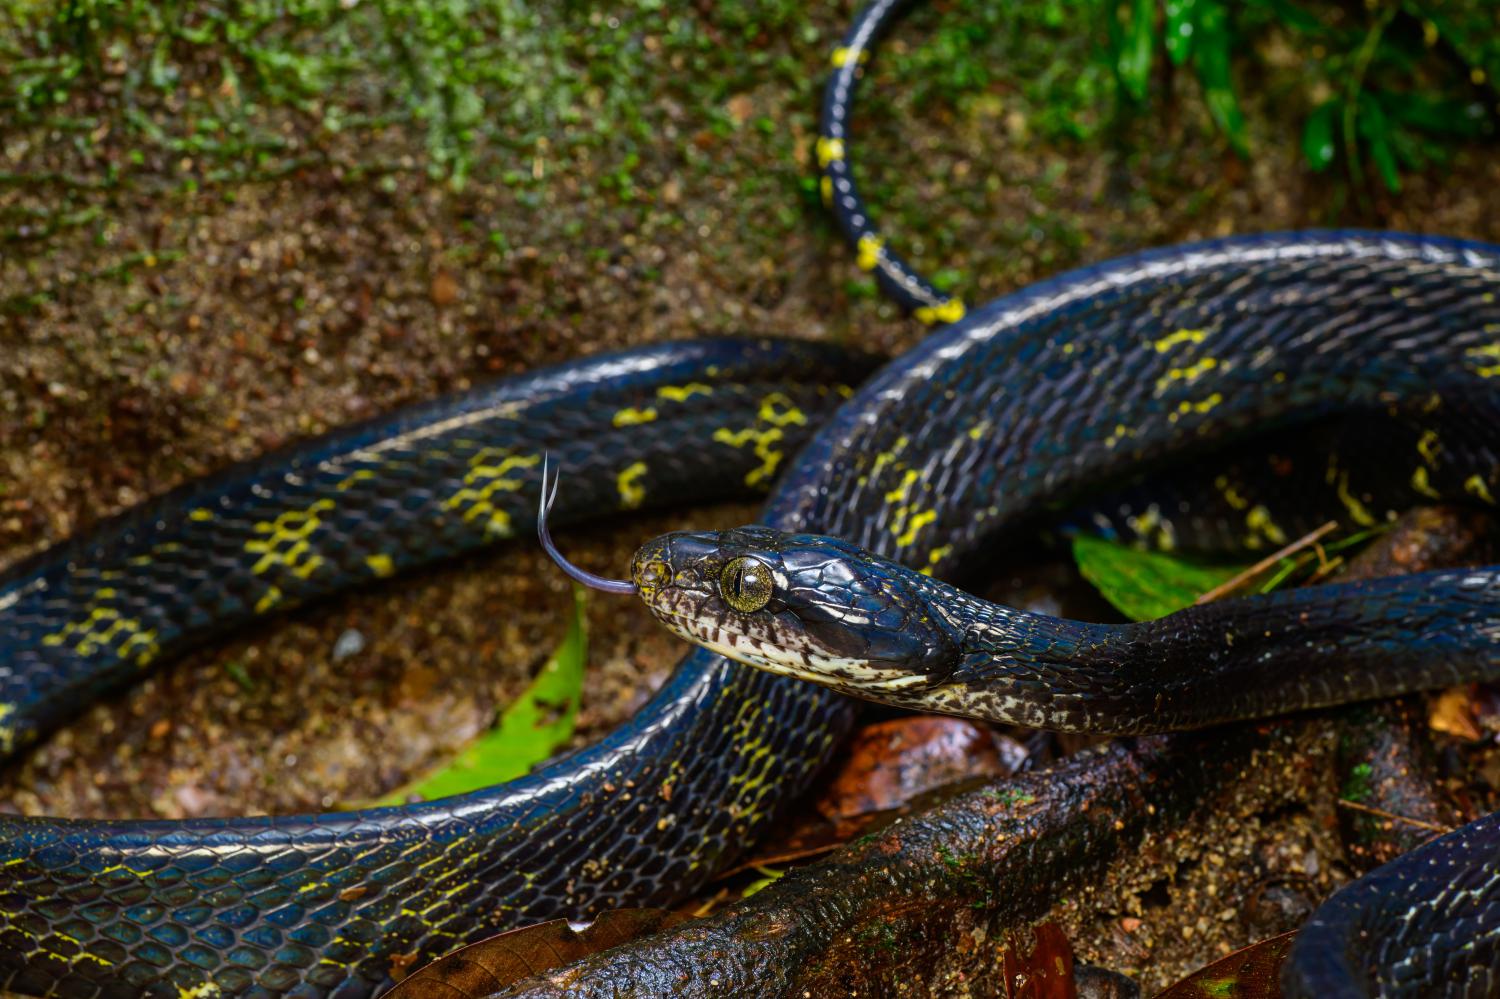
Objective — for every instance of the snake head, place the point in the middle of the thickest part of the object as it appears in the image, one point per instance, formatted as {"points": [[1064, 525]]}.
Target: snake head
{"points": [[801, 605]]}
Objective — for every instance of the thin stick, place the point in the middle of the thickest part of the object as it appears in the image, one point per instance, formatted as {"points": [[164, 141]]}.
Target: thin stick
{"points": [[1382, 813], [1230, 585]]}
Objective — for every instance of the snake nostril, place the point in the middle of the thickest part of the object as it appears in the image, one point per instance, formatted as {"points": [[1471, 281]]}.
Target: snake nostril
{"points": [[653, 574]]}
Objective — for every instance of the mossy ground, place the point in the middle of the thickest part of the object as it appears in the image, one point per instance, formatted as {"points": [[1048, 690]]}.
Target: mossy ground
{"points": [[226, 226]]}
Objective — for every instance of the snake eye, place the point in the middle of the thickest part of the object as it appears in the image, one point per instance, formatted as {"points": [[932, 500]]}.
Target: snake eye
{"points": [[745, 584]]}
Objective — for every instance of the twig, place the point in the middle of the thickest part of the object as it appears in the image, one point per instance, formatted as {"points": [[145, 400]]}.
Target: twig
{"points": [[1235, 582], [1382, 813]]}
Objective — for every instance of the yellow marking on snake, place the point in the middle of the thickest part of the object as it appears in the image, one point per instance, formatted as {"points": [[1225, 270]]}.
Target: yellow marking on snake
{"points": [[1489, 352], [1187, 375], [381, 565], [1171, 340], [630, 416], [86, 956], [779, 411], [765, 450], [1260, 523], [934, 557], [1120, 432], [913, 525], [1428, 447], [840, 56], [906, 520], [867, 252], [1201, 406], [899, 494], [489, 471], [1473, 485], [628, 482], [825, 188], [949, 311], [208, 990], [776, 410], [200, 514], [680, 393], [979, 429], [7, 739], [1357, 509], [287, 546], [1153, 529], [165, 548], [105, 628], [1420, 483], [1232, 495], [829, 150], [354, 478], [268, 599]]}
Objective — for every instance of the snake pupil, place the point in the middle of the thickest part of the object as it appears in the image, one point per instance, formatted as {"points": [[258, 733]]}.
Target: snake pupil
{"points": [[745, 584]]}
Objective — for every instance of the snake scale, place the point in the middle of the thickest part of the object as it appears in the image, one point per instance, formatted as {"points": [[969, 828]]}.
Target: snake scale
{"points": [[1021, 406]]}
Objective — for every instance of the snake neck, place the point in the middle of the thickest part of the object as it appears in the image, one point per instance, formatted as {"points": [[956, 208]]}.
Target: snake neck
{"points": [[1208, 664]]}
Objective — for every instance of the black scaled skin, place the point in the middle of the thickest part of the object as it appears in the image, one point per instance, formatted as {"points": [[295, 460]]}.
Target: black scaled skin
{"points": [[1423, 925], [331, 905]]}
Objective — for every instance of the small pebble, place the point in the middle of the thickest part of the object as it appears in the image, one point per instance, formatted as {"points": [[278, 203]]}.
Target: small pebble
{"points": [[350, 643]]}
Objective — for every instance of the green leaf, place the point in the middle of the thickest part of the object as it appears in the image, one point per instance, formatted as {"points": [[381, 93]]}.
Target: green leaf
{"points": [[1462, 118], [1317, 136], [1181, 24], [1374, 129], [1291, 15], [1134, 62], [768, 877], [1212, 60], [536, 725], [1146, 585]]}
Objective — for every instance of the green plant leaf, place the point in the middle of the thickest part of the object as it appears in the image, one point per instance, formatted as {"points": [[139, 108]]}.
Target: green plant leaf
{"points": [[1375, 130], [534, 726], [1460, 118], [1317, 136], [768, 877], [1290, 15], [1181, 24], [1144, 585], [1212, 51], [1134, 60]]}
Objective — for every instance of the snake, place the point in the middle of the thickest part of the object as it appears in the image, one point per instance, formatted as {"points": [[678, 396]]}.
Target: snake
{"points": [[842, 584], [925, 464]]}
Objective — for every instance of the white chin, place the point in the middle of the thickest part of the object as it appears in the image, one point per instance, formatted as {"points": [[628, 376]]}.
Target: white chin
{"points": [[837, 671]]}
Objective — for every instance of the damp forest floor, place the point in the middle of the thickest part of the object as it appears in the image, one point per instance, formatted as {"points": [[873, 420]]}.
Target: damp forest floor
{"points": [[219, 234]]}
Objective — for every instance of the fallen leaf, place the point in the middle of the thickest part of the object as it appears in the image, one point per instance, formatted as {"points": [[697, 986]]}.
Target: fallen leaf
{"points": [[891, 762], [489, 966], [530, 730], [1452, 713], [1251, 973], [888, 765], [443, 290], [1146, 585], [1039, 968]]}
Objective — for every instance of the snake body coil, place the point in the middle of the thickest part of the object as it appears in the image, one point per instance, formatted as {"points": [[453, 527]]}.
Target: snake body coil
{"points": [[1027, 403], [331, 905]]}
